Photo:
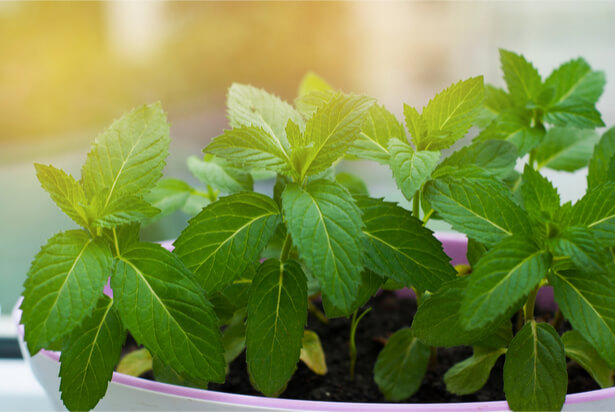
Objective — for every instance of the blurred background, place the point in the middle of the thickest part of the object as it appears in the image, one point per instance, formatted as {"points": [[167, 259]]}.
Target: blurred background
{"points": [[68, 69]]}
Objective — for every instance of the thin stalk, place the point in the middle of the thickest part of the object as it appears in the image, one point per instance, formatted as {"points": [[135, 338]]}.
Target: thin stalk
{"points": [[116, 243], [416, 205], [286, 248], [428, 216], [528, 309], [313, 309], [558, 319], [212, 194], [353, 347]]}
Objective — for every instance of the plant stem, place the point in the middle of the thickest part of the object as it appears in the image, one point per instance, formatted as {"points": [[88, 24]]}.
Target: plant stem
{"points": [[212, 194], [286, 248], [428, 216], [353, 347], [529, 305], [416, 206], [115, 241], [558, 319], [313, 309]]}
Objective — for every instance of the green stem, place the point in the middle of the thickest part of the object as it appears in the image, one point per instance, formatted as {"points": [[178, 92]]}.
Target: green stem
{"points": [[428, 216], [286, 248], [528, 313], [558, 319], [419, 296], [115, 241], [212, 194], [416, 206], [353, 347], [313, 309]]}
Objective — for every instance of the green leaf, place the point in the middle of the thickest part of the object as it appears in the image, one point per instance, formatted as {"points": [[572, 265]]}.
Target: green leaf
{"points": [[514, 127], [401, 365], [168, 196], [574, 112], [482, 209], [126, 208], [234, 336], [497, 101], [504, 276], [164, 309], [582, 352], [250, 106], [129, 156], [331, 131], [523, 81], [397, 245], [308, 104], [566, 148], [538, 194], [312, 82], [535, 376], [89, 357], [251, 147], [579, 243], [369, 286], [65, 191], [596, 210], [165, 373], [471, 374], [325, 225], [588, 302], [220, 175], [476, 250], [277, 314], [63, 285], [379, 126], [437, 321], [411, 168], [451, 113], [600, 162], [312, 353], [220, 242], [575, 79], [496, 157], [136, 363], [416, 125], [352, 183]]}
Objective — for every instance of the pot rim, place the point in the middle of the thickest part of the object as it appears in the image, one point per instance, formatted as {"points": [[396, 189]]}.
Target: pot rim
{"points": [[280, 403]]}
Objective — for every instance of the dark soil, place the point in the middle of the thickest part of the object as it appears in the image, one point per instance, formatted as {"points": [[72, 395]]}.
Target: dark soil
{"points": [[387, 316]]}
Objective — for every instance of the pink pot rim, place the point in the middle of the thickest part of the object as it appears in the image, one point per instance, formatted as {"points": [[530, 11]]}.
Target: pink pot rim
{"points": [[450, 241]]}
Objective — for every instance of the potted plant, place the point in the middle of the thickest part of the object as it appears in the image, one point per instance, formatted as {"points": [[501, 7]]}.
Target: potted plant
{"points": [[248, 268]]}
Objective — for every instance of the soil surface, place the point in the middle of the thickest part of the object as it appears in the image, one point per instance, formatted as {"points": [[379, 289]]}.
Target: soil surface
{"points": [[387, 316]]}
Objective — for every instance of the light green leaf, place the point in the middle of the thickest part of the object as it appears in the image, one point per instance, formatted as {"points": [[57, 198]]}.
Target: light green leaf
{"points": [[437, 321], [471, 374], [250, 106], [401, 365], [308, 104], [397, 245], [331, 131], [596, 210], [195, 203], [416, 125], [566, 148], [482, 209], [574, 112], [535, 376], [89, 356], [251, 147], [123, 209], [588, 302], [136, 363], [220, 175], [312, 353], [63, 285], [582, 352], [539, 196], [496, 157], [168, 196], [379, 126], [220, 242], [514, 127], [523, 81], [164, 309], [65, 191], [504, 276], [352, 183], [575, 79], [451, 113], [497, 101], [411, 168], [277, 314], [312, 82], [579, 243], [601, 158], [325, 225], [129, 156]]}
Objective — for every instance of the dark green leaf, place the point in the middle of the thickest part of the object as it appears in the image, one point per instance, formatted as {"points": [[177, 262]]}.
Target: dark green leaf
{"points": [[504, 276], [89, 357], [401, 365], [496, 157], [575, 79], [369, 286], [220, 242], [411, 168], [277, 314], [579, 350], [65, 191], [579, 243], [574, 112], [566, 148], [497, 100], [166, 374], [397, 245], [476, 250], [535, 376], [600, 162], [514, 127], [220, 175], [325, 225], [64, 283], [234, 337], [165, 309], [539, 196], [596, 210], [483, 209], [471, 374]]}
